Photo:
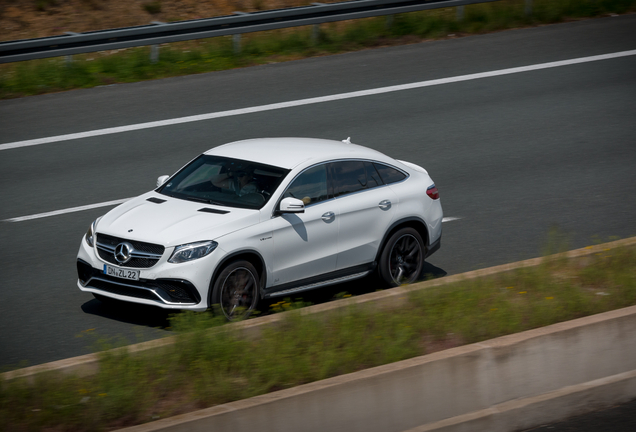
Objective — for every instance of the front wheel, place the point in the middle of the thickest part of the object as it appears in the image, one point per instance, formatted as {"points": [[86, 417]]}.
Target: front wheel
{"points": [[235, 290], [402, 258]]}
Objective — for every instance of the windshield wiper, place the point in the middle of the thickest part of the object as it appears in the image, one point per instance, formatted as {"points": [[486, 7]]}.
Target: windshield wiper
{"points": [[197, 199], [202, 200]]}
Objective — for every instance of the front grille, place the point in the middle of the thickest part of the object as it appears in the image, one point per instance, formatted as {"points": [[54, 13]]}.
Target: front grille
{"points": [[145, 255], [149, 248], [134, 262]]}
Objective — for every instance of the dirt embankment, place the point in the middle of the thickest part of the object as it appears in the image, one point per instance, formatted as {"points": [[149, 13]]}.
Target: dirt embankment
{"points": [[25, 19]]}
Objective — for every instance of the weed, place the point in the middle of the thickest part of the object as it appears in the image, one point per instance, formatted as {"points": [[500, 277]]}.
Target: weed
{"points": [[152, 7], [43, 5]]}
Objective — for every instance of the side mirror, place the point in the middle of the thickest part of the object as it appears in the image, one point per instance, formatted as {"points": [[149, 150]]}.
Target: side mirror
{"points": [[291, 205], [161, 180]]}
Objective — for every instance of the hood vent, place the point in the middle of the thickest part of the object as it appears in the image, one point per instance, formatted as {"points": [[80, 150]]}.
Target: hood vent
{"points": [[211, 210], [156, 200]]}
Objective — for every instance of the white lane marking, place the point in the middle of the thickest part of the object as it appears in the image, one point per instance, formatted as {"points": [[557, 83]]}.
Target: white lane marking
{"points": [[309, 101], [68, 210], [450, 219]]}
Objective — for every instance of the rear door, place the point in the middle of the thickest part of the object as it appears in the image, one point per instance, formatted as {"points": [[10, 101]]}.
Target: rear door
{"points": [[366, 210]]}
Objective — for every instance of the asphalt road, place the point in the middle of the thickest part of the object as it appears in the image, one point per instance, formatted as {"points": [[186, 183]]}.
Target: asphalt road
{"points": [[513, 155], [617, 418]]}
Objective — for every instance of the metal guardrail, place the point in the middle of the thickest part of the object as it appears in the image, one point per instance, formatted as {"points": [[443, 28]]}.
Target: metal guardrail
{"points": [[239, 23]]}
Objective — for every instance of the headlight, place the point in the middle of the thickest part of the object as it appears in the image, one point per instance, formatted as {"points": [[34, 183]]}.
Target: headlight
{"points": [[192, 251], [89, 237]]}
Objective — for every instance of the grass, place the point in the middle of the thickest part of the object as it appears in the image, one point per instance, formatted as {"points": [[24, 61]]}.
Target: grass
{"points": [[206, 55], [206, 368]]}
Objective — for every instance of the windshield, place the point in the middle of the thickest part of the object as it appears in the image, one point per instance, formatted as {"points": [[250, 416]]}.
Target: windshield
{"points": [[225, 181]]}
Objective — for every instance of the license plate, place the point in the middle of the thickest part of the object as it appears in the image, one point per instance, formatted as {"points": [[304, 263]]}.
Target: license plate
{"points": [[121, 273]]}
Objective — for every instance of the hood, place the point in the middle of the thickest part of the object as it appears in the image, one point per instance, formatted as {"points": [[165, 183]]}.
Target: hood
{"points": [[174, 221]]}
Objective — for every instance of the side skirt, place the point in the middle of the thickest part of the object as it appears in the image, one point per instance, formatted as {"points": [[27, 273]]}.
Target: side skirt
{"points": [[337, 277]]}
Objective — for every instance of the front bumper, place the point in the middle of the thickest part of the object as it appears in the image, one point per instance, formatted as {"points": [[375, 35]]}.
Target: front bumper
{"points": [[169, 292], [166, 285]]}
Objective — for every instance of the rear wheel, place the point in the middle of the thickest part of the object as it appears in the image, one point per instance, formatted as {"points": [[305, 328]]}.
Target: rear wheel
{"points": [[402, 258], [236, 290]]}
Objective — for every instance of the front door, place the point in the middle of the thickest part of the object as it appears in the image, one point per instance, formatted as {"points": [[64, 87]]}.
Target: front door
{"points": [[306, 244]]}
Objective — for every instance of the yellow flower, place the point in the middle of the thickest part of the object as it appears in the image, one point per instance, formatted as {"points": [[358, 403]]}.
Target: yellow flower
{"points": [[549, 298], [523, 292]]}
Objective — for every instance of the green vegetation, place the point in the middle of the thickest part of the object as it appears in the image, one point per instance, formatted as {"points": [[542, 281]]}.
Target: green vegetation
{"points": [[130, 65], [152, 7], [207, 367]]}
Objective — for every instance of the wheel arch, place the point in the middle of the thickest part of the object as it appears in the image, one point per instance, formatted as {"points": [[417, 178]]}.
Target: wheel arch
{"points": [[253, 257], [412, 222]]}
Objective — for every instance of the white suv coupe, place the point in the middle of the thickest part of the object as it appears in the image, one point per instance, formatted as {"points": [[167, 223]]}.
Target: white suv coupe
{"points": [[263, 218]]}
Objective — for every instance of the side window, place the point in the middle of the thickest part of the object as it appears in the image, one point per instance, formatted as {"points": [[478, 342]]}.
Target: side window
{"points": [[373, 178], [349, 177], [389, 174], [353, 176], [310, 186]]}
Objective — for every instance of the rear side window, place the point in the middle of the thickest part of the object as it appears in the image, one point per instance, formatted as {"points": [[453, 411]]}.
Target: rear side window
{"points": [[389, 174], [354, 176], [373, 178], [349, 177]]}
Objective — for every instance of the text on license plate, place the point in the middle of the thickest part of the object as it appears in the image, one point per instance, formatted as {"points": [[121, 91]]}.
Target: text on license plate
{"points": [[121, 273]]}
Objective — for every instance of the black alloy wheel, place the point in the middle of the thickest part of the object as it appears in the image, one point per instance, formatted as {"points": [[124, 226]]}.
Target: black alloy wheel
{"points": [[402, 258], [236, 290]]}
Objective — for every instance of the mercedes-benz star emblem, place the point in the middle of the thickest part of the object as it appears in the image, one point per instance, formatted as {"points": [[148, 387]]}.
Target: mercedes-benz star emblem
{"points": [[123, 252]]}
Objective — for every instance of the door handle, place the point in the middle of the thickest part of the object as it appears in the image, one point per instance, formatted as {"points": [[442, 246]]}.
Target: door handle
{"points": [[384, 205], [328, 217]]}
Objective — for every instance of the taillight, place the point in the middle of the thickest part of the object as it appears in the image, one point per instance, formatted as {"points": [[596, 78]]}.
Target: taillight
{"points": [[432, 192]]}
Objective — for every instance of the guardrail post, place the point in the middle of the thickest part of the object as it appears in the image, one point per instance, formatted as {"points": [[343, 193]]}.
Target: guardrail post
{"points": [[154, 48], [154, 53], [315, 34], [389, 21], [460, 13], [236, 43], [528, 8], [69, 58]]}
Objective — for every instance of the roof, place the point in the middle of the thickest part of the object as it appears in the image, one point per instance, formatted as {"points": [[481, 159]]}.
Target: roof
{"points": [[290, 152]]}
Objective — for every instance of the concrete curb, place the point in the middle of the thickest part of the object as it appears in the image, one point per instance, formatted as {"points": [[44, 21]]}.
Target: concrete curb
{"points": [[495, 385], [88, 364], [553, 406]]}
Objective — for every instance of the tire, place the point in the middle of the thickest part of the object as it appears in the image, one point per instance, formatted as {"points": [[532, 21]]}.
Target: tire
{"points": [[236, 290], [402, 258]]}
